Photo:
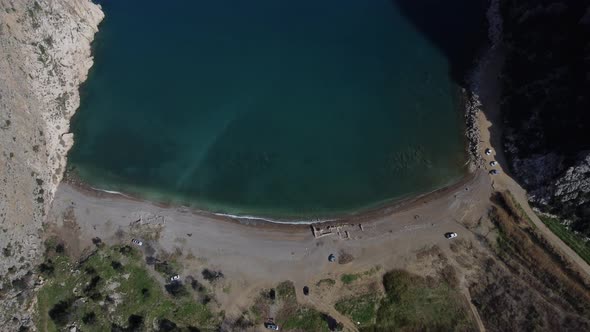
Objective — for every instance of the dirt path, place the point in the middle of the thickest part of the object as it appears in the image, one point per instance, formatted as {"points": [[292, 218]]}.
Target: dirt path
{"points": [[474, 312]]}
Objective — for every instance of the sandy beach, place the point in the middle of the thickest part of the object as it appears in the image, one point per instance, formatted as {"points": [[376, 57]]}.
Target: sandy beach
{"points": [[255, 257]]}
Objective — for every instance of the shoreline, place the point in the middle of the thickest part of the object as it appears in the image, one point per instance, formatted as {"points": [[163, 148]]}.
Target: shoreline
{"points": [[364, 215], [469, 107], [373, 208]]}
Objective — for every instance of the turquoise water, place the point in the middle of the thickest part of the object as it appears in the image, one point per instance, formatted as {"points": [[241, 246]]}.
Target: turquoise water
{"points": [[266, 107]]}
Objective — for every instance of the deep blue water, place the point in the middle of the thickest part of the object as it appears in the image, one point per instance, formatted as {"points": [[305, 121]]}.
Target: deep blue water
{"points": [[267, 107]]}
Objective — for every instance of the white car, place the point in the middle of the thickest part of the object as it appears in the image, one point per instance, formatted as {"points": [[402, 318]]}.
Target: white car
{"points": [[493, 163], [137, 242], [450, 235], [494, 172], [271, 325], [488, 151], [175, 278]]}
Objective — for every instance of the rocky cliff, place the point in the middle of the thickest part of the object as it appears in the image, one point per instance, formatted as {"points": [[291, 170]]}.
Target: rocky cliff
{"points": [[44, 56], [546, 103]]}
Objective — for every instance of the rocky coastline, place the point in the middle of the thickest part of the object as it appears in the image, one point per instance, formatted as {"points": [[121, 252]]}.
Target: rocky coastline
{"points": [[545, 105], [475, 82], [45, 54]]}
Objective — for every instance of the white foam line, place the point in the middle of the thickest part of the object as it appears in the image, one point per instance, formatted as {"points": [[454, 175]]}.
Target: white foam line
{"points": [[293, 222], [112, 192], [274, 221]]}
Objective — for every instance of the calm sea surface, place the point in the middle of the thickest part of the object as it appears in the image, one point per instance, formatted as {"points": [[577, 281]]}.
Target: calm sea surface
{"points": [[280, 108]]}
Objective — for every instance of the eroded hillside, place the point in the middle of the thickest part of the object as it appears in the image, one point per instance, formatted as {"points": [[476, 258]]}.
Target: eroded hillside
{"points": [[44, 56]]}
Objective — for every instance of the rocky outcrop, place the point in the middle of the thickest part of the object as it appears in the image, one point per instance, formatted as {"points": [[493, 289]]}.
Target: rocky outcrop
{"points": [[44, 56], [574, 185], [546, 104], [472, 107]]}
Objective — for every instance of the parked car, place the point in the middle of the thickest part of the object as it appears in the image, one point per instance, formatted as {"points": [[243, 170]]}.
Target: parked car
{"points": [[270, 324], [488, 151], [305, 290], [137, 242], [493, 163], [175, 278], [494, 172], [332, 258], [450, 235]]}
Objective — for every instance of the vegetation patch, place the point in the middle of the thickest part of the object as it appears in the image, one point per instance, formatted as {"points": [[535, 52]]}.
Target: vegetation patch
{"points": [[286, 291], [326, 282], [573, 240], [112, 290], [211, 275], [302, 318], [414, 303], [528, 276], [293, 316], [290, 315], [350, 278], [410, 303], [362, 310], [523, 249]]}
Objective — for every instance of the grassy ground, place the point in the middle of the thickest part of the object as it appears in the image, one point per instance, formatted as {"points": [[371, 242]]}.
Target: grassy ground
{"points": [[350, 278], [293, 316], [362, 310], [573, 240], [410, 303], [290, 315], [416, 304], [112, 287], [304, 319]]}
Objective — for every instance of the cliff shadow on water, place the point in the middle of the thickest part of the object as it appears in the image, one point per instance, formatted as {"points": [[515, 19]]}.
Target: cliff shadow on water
{"points": [[458, 28]]}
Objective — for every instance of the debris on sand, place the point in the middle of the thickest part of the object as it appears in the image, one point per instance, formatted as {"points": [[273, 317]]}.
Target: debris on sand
{"points": [[211, 275], [344, 257]]}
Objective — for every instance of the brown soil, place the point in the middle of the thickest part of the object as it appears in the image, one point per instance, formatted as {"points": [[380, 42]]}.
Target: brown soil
{"points": [[523, 284]]}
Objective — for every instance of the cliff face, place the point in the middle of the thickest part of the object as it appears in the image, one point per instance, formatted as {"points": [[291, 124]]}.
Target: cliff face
{"points": [[44, 56], [546, 103]]}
